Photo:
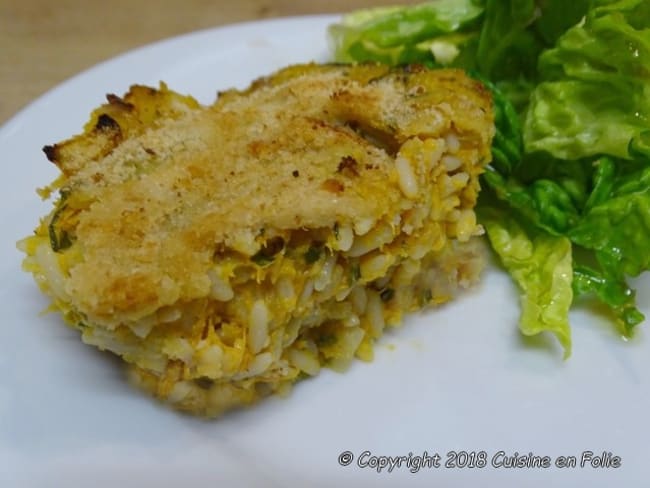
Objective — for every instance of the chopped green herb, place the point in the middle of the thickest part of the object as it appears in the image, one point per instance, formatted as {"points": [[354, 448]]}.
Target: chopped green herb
{"points": [[326, 340], [61, 240], [262, 259], [313, 254], [355, 273], [426, 297], [387, 294], [270, 249], [204, 382]]}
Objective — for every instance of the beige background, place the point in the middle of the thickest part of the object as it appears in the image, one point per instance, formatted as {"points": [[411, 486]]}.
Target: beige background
{"points": [[43, 42]]}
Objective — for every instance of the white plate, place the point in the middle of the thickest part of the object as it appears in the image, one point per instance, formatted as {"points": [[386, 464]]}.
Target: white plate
{"points": [[456, 379]]}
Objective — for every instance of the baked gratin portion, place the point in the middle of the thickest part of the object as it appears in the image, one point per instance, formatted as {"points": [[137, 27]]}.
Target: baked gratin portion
{"points": [[226, 251]]}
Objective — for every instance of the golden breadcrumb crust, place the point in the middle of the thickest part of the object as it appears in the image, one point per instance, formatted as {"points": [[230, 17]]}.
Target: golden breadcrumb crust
{"points": [[157, 184]]}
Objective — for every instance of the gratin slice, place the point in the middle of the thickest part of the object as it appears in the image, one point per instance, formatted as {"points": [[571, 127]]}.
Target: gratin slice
{"points": [[225, 251]]}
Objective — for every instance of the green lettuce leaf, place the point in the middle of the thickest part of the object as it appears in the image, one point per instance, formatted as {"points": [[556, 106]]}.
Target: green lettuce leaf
{"points": [[601, 206], [595, 94], [613, 236], [618, 230], [507, 47], [515, 32], [431, 32], [507, 143], [540, 264], [612, 291], [556, 16], [544, 191], [544, 202]]}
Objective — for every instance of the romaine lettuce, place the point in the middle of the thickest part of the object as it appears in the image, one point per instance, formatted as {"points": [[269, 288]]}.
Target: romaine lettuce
{"points": [[595, 92], [397, 35], [540, 264]]}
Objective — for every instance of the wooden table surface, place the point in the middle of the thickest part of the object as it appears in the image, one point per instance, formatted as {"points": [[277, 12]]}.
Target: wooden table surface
{"points": [[43, 42]]}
